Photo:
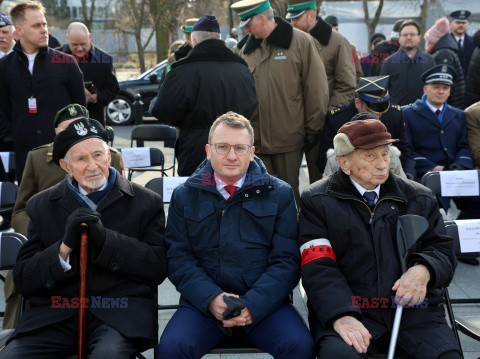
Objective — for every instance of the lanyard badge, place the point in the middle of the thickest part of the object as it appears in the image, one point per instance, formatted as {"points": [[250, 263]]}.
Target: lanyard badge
{"points": [[32, 105]]}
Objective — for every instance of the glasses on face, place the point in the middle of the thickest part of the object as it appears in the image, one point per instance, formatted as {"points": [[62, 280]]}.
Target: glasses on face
{"points": [[411, 34], [224, 149]]}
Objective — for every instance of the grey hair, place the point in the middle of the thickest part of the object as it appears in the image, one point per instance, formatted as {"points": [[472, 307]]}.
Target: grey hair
{"points": [[200, 36], [77, 25], [268, 13]]}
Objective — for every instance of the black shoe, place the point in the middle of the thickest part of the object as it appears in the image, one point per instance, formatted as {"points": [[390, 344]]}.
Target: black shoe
{"points": [[467, 260]]}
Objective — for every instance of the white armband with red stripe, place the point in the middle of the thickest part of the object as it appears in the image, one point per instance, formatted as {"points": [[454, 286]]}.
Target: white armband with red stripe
{"points": [[316, 249]]}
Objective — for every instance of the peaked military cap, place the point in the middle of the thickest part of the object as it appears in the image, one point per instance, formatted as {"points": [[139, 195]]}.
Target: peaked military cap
{"points": [[78, 131], [189, 23], [440, 74], [460, 15], [5, 20], [296, 8], [70, 111], [374, 92], [247, 9]]}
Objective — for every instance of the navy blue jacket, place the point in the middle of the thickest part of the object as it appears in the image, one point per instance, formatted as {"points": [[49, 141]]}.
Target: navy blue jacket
{"points": [[465, 52], [405, 85], [55, 83], [247, 246], [436, 143]]}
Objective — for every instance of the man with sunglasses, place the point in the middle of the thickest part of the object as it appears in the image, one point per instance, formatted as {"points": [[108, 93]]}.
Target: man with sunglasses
{"points": [[231, 238], [372, 96]]}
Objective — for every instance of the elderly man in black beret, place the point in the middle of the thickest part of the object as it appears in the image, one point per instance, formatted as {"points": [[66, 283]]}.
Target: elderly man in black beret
{"points": [[350, 267], [126, 259]]}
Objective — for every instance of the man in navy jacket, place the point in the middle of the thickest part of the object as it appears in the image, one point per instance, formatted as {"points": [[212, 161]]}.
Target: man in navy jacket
{"points": [[36, 84], [231, 237]]}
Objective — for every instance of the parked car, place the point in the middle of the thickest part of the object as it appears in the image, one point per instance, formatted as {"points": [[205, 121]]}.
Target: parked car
{"points": [[120, 110]]}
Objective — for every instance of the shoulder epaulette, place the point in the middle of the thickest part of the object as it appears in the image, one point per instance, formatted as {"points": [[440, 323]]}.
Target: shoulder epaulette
{"points": [[338, 109], [40, 147], [396, 107]]}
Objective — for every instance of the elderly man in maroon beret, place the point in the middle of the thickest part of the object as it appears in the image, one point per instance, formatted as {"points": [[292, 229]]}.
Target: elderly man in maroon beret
{"points": [[350, 267]]}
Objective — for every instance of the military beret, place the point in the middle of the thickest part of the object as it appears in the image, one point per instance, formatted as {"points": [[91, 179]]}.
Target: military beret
{"points": [[460, 15], [207, 23], [332, 20], [70, 111], [5, 20], [78, 131]]}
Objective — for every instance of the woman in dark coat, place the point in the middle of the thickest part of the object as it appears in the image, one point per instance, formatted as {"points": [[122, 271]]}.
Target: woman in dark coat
{"points": [[472, 83]]}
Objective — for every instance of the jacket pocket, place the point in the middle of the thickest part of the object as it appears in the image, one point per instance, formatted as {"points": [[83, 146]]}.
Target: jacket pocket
{"points": [[258, 222], [202, 226]]}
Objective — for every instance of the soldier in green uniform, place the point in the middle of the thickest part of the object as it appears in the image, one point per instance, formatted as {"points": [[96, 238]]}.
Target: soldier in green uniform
{"points": [[39, 174]]}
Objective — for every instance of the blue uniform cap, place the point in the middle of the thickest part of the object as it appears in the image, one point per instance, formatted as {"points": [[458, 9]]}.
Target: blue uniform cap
{"points": [[207, 23], [460, 15], [440, 74]]}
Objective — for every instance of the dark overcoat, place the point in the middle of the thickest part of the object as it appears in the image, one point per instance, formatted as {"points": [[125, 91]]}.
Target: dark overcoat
{"points": [[436, 143], [209, 82], [54, 84], [98, 68], [130, 263], [353, 264], [472, 82]]}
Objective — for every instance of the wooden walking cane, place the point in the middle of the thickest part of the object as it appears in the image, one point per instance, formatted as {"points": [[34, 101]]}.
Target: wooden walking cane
{"points": [[83, 290]]}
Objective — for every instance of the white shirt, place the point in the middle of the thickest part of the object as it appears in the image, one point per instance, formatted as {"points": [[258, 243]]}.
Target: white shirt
{"points": [[363, 190], [66, 263], [220, 185], [459, 38], [2, 54], [31, 61], [433, 108]]}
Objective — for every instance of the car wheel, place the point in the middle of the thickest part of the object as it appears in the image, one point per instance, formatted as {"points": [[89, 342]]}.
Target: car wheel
{"points": [[120, 111]]}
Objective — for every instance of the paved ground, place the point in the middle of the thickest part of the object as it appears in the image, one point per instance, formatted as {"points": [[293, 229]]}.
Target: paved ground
{"points": [[465, 283]]}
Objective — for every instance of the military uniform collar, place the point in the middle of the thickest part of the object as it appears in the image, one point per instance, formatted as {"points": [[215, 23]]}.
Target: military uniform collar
{"points": [[322, 32], [281, 36]]}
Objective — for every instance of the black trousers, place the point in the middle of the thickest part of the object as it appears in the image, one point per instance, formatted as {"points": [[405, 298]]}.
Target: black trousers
{"points": [[335, 347], [60, 340]]}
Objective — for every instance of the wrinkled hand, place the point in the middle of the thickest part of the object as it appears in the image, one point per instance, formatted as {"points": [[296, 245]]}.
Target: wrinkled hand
{"points": [[353, 332], [437, 168], [411, 288], [217, 305], [245, 318], [71, 238], [91, 98], [310, 141]]}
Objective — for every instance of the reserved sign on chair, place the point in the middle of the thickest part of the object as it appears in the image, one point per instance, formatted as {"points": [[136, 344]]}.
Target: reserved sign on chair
{"points": [[469, 235], [136, 157], [459, 183]]}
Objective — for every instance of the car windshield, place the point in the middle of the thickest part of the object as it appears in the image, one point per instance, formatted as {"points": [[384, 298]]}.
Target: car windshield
{"points": [[158, 69]]}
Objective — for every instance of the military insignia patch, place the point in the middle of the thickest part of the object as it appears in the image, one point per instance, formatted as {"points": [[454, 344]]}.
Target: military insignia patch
{"points": [[72, 111]]}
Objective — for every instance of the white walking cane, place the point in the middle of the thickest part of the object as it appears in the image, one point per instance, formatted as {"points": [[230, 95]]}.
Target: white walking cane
{"points": [[409, 229]]}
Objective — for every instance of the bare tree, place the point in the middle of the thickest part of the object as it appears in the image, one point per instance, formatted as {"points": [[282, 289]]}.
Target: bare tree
{"points": [[88, 14], [280, 7], [371, 24]]}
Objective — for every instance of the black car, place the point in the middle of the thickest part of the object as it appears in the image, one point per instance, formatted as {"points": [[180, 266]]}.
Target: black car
{"points": [[120, 111]]}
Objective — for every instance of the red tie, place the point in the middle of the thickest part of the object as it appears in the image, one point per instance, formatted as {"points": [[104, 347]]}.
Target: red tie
{"points": [[231, 190]]}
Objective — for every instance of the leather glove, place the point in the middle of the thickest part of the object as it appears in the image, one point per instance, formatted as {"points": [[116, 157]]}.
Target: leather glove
{"points": [[71, 238], [456, 167], [97, 233], [310, 141]]}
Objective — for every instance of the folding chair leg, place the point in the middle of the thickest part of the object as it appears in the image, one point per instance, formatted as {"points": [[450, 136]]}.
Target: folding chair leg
{"points": [[451, 317]]}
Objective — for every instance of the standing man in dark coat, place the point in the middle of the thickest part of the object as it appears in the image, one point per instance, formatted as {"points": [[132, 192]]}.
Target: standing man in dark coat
{"points": [[34, 83], [209, 82], [126, 258], [350, 267], [458, 25], [472, 83], [444, 50], [385, 49], [371, 96], [101, 85], [406, 66]]}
